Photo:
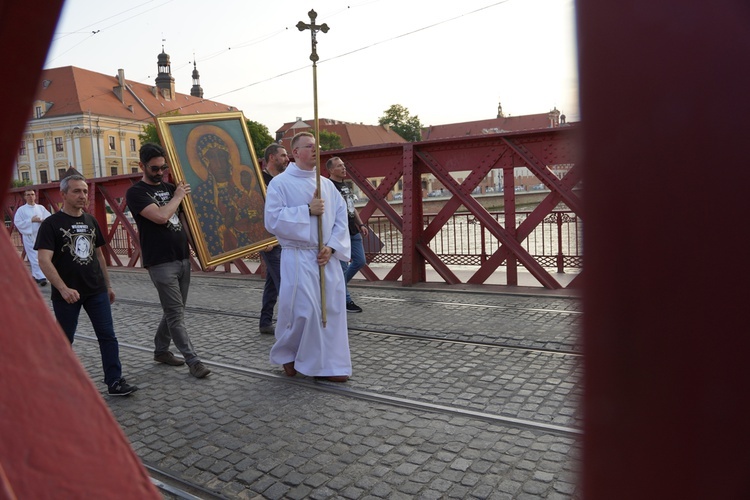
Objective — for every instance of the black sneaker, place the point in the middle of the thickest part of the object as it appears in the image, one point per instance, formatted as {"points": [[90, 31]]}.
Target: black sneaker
{"points": [[121, 388], [351, 307], [267, 330]]}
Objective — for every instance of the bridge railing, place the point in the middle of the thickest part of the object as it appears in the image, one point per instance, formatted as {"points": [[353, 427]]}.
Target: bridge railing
{"points": [[556, 243], [543, 240]]}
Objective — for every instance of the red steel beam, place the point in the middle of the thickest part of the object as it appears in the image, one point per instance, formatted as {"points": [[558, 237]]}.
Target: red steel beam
{"points": [[478, 155], [58, 438], [490, 223]]}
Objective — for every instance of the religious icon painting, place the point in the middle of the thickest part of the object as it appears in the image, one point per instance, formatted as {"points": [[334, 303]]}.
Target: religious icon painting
{"points": [[213, 153]]}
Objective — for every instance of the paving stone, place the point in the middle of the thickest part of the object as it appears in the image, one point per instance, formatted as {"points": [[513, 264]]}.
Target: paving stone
{"points": [[255, 437]]}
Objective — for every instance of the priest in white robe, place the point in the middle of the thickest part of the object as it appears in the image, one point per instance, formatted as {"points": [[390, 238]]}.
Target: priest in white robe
{"points": [[291, 213], [27, 220]]}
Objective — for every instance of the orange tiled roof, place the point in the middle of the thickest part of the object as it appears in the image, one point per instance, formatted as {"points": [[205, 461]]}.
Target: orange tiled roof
{"points": [[491, 126], [355, 134], [75, 91], [352, 134]]}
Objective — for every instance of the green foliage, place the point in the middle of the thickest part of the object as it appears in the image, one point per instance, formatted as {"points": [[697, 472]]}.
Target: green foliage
{"points": [[149, 134], [149, 131], [330, 141], [15, 183], [400, 121], [259, 136]]}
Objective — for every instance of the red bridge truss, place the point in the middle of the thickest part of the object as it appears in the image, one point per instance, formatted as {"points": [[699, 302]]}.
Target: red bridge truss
{"points": [[473, 157]]}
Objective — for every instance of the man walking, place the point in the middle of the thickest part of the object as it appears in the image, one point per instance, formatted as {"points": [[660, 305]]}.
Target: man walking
{"points": [[164, 250], [27, 220], [292, 214], [357, 230], [276, 159], [70, 256]]}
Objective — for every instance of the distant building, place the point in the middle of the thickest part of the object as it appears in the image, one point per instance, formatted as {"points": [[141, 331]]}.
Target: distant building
{"points": [[352, 134], [494, 125], [523, 178], [91, 121]]}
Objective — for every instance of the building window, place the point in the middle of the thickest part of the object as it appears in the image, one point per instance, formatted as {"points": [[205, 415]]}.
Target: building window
{"points": [[43, 179], [22, 152], [132, 144], [38, 111], [112, 142], [60, 173], [112, 170], [25, 177], [40, 146], [134, 170], [58, 144]]}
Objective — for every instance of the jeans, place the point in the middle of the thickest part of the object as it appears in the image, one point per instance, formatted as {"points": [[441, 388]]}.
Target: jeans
{"points": [[357, 262], [100, 314], [172, 281], [271, 289]]}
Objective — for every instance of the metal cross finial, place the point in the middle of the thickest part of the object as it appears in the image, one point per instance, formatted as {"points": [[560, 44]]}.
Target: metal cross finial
{"points": [[313, 30]]}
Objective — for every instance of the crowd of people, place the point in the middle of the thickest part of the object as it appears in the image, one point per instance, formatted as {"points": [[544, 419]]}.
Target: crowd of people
{"points": [[319, 248]]}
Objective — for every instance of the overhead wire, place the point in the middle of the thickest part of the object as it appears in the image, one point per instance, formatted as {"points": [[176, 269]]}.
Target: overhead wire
{"points": [[110, 26], [285, 73], [363, 48]]}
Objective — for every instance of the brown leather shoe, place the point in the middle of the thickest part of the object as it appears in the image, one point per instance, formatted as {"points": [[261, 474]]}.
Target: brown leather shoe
{"points": [[168, 359], [289, 369], [335, 378]]}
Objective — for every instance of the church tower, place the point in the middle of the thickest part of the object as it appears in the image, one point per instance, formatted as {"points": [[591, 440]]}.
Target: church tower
{"points": [[196, 90], [164, 80]]}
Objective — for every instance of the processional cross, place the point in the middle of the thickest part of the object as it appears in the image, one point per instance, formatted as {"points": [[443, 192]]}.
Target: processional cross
{"points": [[314, 28]]}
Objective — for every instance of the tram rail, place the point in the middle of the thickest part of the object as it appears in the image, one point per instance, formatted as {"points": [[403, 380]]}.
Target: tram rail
{"points": [[413, 404], [395, 333], [173, 486]]}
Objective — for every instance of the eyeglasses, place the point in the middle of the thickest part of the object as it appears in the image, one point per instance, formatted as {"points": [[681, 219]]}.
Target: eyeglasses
{"points": [[155, 169], [309, 146]]}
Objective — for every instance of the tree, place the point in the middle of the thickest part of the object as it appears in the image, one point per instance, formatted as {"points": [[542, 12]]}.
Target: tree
{"points": [[260, 136], [398, 119], [149, 131], [149, 134], [330, 141]]}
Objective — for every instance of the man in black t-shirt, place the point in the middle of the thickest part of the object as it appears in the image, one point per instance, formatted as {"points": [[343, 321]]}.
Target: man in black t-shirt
{"points": [[357, 230], [276, 159], [71, 258], [155, 206]]}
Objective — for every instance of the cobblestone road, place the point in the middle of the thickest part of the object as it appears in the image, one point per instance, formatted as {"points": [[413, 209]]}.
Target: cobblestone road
{"points": [[248, 432]]}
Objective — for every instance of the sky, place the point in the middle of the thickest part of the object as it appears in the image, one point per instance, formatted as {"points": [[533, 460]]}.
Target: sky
{"points": [[445, 61]]}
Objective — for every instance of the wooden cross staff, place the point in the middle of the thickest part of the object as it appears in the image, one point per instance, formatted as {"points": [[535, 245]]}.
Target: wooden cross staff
{"points": [[314, 28]]}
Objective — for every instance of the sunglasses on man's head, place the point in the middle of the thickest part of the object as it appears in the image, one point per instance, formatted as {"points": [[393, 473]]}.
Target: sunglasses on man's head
{"points": [[155, 169]]}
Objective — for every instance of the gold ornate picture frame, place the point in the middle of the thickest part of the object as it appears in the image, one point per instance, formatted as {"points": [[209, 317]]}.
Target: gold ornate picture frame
{"points": [[213, 153]]}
